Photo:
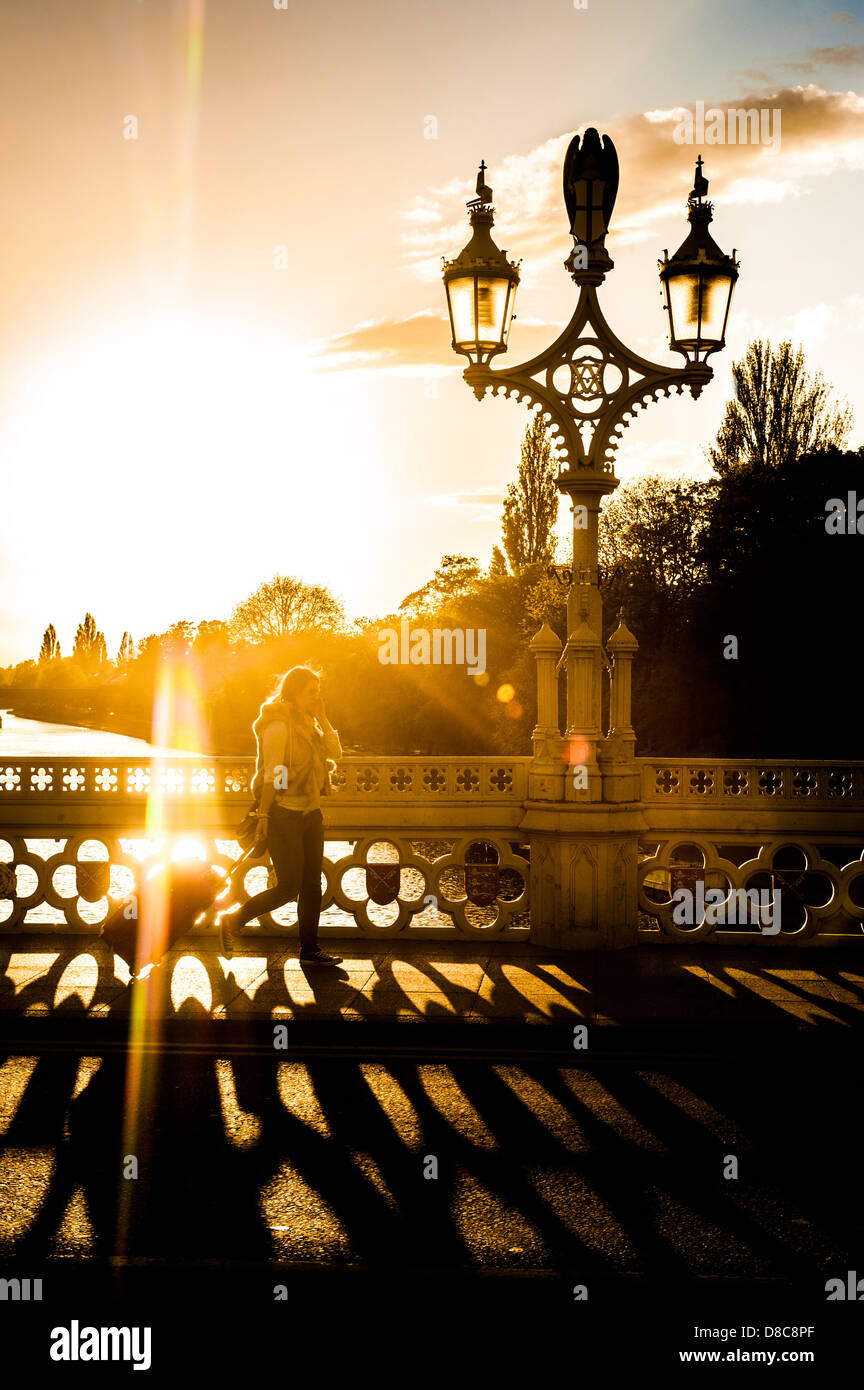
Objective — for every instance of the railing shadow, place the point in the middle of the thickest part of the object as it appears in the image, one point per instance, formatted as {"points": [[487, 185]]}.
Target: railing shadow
{"points": [[426, 980], [538, 1165]]}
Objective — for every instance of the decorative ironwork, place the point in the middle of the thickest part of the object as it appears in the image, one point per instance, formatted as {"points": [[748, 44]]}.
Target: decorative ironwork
{"points": [[588, 385]]}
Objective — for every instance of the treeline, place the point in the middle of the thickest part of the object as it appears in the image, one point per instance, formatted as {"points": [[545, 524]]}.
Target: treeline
{"points": [[743, 591]]}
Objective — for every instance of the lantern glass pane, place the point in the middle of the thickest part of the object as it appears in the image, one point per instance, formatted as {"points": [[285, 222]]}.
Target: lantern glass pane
{"points": [[491, 303], [698, 304], [683, 291], [461, 293], [731, 291], [508, 311], [715, 298]]}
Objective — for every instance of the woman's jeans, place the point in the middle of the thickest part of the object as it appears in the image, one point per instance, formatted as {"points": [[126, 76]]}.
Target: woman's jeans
{"points": [[295, 843]]}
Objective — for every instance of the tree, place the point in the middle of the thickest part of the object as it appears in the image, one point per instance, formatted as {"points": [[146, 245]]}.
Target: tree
{"points": [[68, 676], [211, 634], [779, 412], [531, 504], [284, 605], [24, 674], [455, 576], [648, 543], [126, 650], [787, 590], [50, 649], [178, 638], [497, 565], [89, 646]]}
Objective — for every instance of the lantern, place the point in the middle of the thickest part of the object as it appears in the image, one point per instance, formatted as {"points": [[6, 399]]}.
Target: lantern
{"points": [[698, 282], [480, 285]]}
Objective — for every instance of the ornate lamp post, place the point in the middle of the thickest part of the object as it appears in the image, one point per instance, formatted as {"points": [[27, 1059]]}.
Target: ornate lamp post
{"points": [[587, 383]]}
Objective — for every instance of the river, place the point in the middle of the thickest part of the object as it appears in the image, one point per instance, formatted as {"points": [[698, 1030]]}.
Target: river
{"points": [[31, 738]]}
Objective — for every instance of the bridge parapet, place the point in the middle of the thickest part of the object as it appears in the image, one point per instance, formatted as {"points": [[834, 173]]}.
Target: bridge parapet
{"points": [[796, 828], [431, 846], [456, 846]]}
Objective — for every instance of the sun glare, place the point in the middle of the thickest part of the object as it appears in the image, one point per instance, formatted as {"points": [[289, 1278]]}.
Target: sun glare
{"points": [[159, 434], [187, 849]]}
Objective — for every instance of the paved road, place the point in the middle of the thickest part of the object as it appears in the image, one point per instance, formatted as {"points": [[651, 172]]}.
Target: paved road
{"points": [[502, 1165]]}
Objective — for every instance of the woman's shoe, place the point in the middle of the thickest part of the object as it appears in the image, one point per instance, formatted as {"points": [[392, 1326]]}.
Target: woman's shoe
{"points": [[319, 957], [225, 921]]}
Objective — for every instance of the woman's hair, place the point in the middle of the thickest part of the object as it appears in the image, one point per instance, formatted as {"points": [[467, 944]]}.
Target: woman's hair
{"points": [[291, 684]]}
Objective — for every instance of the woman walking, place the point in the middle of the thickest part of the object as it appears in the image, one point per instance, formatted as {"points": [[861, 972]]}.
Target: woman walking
{"points": [[295, 740]]}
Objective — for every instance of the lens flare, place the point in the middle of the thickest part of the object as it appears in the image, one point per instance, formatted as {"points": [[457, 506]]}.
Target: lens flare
{"points": [[178, 726], [187, 849], [578, 752]]}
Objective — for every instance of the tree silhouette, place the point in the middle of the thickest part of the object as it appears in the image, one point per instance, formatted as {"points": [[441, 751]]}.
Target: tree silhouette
{"points": [[497, 565], [455, 576], [50, 649], [778, 414], [89, 648], [531, 504], [283, 605], [648, 548]]}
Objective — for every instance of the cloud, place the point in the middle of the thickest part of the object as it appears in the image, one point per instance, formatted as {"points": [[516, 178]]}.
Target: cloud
{"points": [[421, 215], [846, 55], [420, 340], [811, 324], [757, 75], [756, 191], [477, 497], [417, 345], [822, 133], [485, 502]]}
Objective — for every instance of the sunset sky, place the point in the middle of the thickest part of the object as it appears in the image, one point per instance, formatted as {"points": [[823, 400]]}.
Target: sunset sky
{"points": [[224, 351]]}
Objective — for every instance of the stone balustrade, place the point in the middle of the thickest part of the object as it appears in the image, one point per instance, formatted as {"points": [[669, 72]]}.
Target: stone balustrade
{"points": [[793, 827], [430, 846], [457, 846]]}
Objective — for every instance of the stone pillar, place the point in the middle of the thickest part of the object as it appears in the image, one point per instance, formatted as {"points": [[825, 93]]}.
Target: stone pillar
{"points": [[583, 713], [585, 591], [623, 646], [546, 777], [621, 778], [583, 875], [584, 844], [585, 626], [585, 840]]}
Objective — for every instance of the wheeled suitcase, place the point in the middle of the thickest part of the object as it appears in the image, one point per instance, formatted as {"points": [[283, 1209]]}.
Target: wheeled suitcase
{"points": [[147, 923]]}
